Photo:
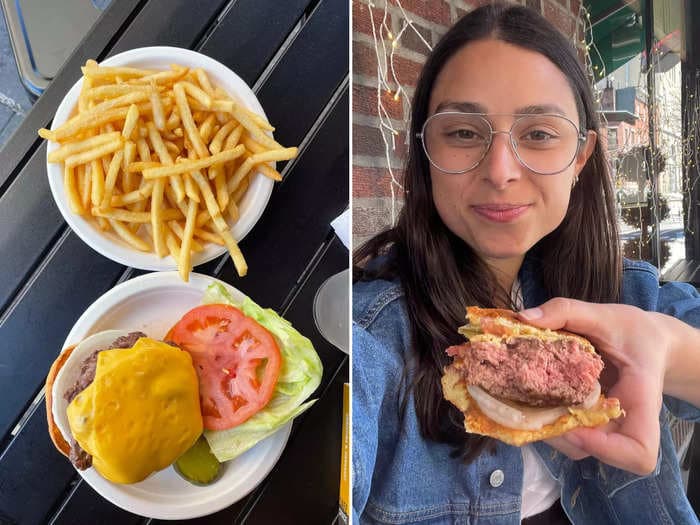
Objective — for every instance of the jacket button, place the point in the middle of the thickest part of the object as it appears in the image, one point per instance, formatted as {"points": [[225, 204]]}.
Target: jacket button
{"points": [[496, 478]]}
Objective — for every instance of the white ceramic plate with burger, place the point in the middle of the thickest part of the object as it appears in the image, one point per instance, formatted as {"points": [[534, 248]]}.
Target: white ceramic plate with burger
{"points": [[152, 304]]}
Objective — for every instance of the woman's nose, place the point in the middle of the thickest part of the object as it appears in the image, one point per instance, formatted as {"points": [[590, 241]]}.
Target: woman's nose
{"points": [[501, 166]]}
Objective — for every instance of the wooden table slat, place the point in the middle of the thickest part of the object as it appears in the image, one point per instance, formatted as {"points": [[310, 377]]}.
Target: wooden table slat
{"points": [[693, 272], [33, 475], [320, 53], [176, 23], [246, 52], [33, 334], [87, 506], [30, 222]]}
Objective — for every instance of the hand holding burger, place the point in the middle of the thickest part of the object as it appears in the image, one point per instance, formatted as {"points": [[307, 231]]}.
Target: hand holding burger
{"points": [[651, 354]]}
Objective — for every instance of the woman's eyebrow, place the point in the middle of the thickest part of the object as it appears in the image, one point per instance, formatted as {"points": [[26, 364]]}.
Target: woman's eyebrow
{"points": [[464, 107], [539, 109], [474, 107]]}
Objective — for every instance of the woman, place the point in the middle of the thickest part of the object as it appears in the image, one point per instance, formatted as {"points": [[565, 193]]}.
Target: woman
{"points": [[508, 203]]}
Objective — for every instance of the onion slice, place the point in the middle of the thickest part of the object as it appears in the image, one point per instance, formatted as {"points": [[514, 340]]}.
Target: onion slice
{"points": [[592, 398], [523, 418]]}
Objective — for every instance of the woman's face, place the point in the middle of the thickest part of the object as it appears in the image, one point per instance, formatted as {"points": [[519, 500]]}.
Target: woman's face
{"points": [[501, 208]]}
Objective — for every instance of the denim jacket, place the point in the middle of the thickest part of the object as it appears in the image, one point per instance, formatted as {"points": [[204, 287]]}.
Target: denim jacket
{"points": [[399, 477]]}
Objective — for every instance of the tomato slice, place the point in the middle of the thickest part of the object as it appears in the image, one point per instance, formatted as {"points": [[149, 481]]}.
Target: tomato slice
{"points": [[237, 362]]}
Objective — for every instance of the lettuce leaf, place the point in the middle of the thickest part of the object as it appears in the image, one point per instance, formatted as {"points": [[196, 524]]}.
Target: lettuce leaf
{"points": [[300, 375], [469, 330]]}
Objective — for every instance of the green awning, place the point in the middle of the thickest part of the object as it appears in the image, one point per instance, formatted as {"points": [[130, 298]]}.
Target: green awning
{"points": [[618, 31]]}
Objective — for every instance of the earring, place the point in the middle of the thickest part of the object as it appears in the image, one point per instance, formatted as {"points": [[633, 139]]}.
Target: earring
{"points": [[575, 180]]}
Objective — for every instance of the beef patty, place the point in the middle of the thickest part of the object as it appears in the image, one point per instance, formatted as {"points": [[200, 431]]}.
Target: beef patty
{"points": [[529, 370]]}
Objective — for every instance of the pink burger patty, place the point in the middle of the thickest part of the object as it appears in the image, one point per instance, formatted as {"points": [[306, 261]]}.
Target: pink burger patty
{"points": [[530, 371]]}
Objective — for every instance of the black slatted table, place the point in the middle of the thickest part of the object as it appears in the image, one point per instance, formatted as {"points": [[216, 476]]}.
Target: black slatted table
{"points": [[294, 54]]}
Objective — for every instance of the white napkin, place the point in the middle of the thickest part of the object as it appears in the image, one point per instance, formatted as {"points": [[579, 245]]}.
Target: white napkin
{"points": [[341, 225]]}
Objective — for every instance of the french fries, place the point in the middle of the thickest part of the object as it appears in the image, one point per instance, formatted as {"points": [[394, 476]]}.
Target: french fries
{"points": [[162, 159]]}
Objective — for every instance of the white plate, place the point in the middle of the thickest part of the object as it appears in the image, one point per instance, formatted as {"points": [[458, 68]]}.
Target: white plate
{"points": [[152, 303], [109, 244]]}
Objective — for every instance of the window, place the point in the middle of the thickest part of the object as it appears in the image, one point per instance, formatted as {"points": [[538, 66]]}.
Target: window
{"points": [[642, 108], [612, 139]]}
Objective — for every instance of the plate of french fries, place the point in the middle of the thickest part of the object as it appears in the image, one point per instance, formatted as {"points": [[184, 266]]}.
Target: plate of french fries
{"points": [[162, 158]]}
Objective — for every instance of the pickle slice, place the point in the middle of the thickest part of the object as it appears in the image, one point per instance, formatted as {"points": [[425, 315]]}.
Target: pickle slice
{"points": [[198, 465]]}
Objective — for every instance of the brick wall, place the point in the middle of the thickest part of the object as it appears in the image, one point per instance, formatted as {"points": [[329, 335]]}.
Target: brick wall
{"points": [[378, 157]]}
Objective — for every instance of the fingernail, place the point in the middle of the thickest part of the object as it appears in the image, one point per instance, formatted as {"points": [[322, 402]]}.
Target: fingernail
{"points": [[532, 313]]}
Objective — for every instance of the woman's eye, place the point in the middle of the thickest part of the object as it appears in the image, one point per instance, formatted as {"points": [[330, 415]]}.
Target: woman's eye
{"points": [[538, 135], [463, 134]]}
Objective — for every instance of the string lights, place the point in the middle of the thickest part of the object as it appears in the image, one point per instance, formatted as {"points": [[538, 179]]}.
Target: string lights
{"points": [[386, 45], [595, 72]]}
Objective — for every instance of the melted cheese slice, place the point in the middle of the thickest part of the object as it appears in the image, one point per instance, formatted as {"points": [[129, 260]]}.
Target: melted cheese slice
{"points": [[140, 413]]}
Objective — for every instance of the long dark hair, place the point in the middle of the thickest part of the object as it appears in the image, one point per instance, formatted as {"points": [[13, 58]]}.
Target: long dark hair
{"points": [[440, 273]]}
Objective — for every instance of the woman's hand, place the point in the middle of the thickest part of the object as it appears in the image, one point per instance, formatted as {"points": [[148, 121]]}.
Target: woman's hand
{"points": [[637, 348]]}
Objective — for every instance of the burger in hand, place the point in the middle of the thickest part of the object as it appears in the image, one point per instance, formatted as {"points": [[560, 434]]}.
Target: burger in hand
{"points": [[519, 383], [124, 403]]}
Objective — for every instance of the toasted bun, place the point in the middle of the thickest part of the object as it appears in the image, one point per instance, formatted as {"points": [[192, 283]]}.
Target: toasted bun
{"points": [[475, 422], [497, 323], [56, 436]]}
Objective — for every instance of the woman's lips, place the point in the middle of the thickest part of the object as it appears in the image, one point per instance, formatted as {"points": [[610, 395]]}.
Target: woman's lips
{"points": [[501, 212]]}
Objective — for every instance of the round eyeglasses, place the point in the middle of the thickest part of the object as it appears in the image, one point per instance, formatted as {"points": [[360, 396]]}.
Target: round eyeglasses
{"points": [[457, 142]]}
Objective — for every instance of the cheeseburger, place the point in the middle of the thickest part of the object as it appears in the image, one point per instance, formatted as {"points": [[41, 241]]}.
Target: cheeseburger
{"points": [[519, 383], [123, 403]]}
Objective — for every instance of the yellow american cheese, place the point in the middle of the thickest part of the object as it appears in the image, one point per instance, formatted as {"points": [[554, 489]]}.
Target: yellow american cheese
{"points": [[140, 413]]}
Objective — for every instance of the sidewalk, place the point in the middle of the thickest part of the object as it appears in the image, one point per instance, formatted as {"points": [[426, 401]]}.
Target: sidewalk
{"points": [[14, 99]]}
